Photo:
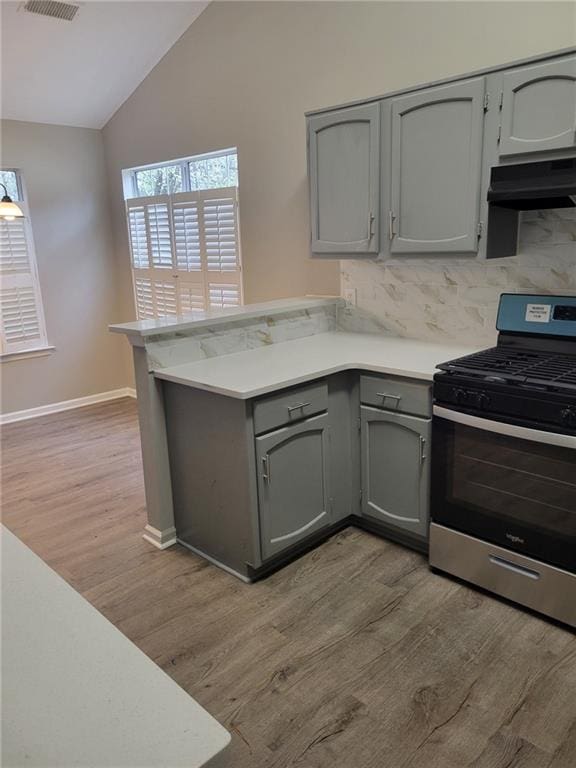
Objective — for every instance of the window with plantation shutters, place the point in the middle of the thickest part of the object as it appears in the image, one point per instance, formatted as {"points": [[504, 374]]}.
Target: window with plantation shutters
{"points": [[22, 327], [185, 250]]}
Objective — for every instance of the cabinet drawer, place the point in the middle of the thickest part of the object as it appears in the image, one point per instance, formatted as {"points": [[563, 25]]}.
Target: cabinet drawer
{"points": [[286, 407], [396, 394]]}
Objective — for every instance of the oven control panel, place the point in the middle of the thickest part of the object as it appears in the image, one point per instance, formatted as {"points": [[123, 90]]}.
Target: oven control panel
{"points": [[551, 410], [537, 315], [471, 397]]}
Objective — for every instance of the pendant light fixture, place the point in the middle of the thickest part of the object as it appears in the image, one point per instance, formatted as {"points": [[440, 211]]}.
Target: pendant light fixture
{"points": [[8, 208]]}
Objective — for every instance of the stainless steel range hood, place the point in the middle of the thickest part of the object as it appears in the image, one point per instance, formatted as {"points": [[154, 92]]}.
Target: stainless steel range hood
{"points": [[525, 187]]}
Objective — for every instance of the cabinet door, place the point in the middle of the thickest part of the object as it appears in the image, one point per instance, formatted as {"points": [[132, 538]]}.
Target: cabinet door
{"points": [[539, 108], [293, 484], [344, 173], [396, 469], [436, 169]]}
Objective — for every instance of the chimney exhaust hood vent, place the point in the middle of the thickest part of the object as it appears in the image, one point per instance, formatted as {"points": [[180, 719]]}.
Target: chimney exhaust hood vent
{"points": [[525, 187], [53, 8], [550, 184]]}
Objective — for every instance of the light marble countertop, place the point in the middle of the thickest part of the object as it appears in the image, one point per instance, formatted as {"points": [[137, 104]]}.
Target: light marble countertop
{"points": [[77, 692], [259, 371], [214, 317]]}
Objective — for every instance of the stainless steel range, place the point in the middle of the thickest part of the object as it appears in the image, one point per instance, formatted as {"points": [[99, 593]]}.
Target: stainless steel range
{"points": [[504, 459]]}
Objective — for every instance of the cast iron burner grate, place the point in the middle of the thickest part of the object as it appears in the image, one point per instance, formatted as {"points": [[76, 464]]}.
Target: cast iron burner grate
{"points": [[519, 366]]}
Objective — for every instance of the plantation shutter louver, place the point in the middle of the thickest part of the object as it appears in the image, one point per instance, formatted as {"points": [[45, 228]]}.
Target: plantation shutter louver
{"points": [[160, 235], [220, 228], [185, 252], [186, 222], [22, 318], [138, 237], [224, 295]]}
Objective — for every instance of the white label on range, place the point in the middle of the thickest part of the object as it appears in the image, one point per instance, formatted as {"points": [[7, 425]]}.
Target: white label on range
{"points": [[538, 313]]}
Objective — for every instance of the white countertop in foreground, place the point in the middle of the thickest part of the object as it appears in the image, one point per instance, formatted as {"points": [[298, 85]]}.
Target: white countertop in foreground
{"points": [[77, 692], [259, 371]]}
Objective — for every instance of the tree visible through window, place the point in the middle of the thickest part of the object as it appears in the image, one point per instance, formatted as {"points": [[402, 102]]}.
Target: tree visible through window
{"points": [[159, 181], [10, 180], [216, 170]]}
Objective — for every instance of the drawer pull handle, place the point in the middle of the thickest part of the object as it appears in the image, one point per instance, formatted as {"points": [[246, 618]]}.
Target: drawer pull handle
{"points": [[297, 407], [502, 563], [388, 396]]}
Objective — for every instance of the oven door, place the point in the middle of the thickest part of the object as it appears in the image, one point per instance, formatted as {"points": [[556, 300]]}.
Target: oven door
{"points": [[507, 484]]}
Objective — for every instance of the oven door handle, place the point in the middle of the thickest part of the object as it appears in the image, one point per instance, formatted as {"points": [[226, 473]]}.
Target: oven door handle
{"points": [[502, 428]]}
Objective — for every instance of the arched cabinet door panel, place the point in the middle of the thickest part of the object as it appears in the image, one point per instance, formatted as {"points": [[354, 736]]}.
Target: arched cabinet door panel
{"points": [[293, 484], [396, 469], [344, 176], [539, 108], [435, 169]]}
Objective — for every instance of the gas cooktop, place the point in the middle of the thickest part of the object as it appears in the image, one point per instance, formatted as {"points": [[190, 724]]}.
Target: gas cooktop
{"points": [[530, 376], [519, 366]]}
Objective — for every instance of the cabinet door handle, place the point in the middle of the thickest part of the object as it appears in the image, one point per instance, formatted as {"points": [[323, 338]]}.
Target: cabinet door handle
{"points": [[370, 226], [422, 449], [388, 396], [266, 469], [391, 219], [297, 407]]}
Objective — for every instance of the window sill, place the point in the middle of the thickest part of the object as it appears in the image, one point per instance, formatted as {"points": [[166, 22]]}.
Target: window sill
{"points": [[8, 357]]}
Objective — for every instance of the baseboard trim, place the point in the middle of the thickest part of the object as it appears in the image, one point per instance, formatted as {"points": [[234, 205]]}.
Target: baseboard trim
{"points": [[66, 405], [160, 539]]}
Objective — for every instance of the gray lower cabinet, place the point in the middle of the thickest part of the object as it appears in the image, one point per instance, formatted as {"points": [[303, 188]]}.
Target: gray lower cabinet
{"points": [[539, 108], [293, 469], [245, 498], [344, 177], [396, 469], [436, 168]]}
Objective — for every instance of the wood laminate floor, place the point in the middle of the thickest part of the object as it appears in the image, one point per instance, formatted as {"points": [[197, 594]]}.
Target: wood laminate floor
{"points": [[354, 656]]}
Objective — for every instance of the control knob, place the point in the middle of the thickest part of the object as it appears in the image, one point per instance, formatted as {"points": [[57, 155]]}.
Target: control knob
{"points": [[460, 395], [483, 401], [569, 416]]}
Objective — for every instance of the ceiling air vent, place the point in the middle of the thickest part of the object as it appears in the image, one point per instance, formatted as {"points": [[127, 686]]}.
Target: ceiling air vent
{"points": [[52, 8]]}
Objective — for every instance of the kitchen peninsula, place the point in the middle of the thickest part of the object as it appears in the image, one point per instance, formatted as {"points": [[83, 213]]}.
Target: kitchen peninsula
{"points": [[267, 427]]}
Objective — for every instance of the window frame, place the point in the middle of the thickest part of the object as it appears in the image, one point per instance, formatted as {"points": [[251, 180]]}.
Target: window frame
{"points": [[42, 347], [149, 283], [130, 182]]}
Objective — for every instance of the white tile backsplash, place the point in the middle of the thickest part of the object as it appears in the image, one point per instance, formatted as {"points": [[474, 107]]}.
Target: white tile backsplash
{"points": [[456, 299], [238, 336]]}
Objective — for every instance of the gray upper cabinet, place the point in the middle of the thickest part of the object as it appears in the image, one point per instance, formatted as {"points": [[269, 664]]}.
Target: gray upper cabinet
{"points": [[396, 469], [344, 174], [293, 484], [435, 169], [432, 148], [539, 108]]}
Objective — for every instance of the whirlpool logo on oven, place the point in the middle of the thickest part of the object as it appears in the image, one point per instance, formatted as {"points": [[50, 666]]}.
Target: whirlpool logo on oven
{"points": [[514, 539]]}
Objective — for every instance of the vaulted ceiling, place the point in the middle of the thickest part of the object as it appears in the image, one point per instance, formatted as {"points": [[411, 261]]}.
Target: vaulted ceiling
{"points": [[79, 72]]}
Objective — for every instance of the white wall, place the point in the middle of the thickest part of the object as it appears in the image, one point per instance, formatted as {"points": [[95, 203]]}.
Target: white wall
{"points": [[244, 74], [64, 175]]}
